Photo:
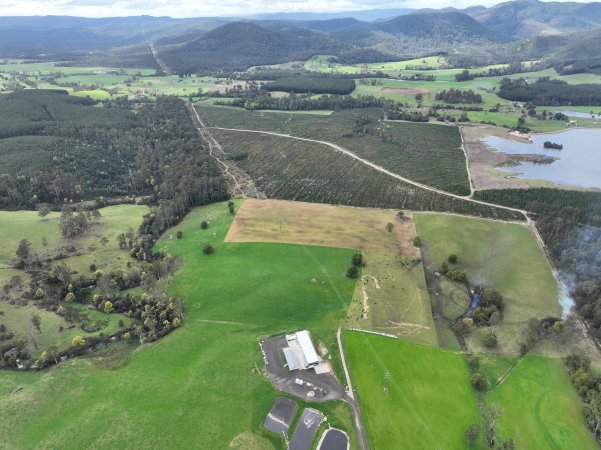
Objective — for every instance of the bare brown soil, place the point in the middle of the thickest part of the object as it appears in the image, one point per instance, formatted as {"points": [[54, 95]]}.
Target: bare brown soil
{"points": [[483, 160], [406, 91], [326, 225]]}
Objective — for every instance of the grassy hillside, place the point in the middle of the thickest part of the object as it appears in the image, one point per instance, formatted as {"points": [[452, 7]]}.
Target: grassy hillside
{"points": [[200, 386], [79, 254], [17, 225], [539, 392], [503, 256], [426, 401], [392, 298]]}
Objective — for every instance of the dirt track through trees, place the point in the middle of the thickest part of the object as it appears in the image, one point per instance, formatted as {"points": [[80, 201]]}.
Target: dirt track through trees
{"points": [[239, 183]]}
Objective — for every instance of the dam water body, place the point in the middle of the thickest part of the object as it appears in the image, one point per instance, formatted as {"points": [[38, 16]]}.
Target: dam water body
{"points": [[578, 163]]}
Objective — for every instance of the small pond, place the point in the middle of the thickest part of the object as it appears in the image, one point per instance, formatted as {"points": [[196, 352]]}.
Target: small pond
{"points": [[578, 163]]}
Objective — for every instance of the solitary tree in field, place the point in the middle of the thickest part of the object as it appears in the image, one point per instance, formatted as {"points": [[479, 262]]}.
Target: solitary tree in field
{"points": [[352, 272], [357, 259], [208, 249], [204, 225], [122, 241], [43, 211], [23, 250], [389, 227], [417, 241], [131, 236], [401, 214], [108, 307], [490, 340], [104, 241], [37, 322], [453, 259], [444, 268], [478, 381]]}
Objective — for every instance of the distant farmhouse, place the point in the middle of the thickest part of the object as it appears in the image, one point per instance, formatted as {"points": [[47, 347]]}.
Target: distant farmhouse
{"points": [[300, 353]]}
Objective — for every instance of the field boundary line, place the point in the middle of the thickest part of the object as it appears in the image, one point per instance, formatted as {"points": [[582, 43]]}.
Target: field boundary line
{"points": [[351, 400], [360, 330], [346, 372], [379, 168]]}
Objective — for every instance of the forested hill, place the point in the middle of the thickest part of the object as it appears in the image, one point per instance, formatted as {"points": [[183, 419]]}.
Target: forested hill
{"points": [[226, 44], [239, 45], [528, 18], [452, 26]]}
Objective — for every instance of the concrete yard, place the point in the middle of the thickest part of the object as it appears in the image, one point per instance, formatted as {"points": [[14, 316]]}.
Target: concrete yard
{"points": [[305, 384], [280, 416], [305, 432]]}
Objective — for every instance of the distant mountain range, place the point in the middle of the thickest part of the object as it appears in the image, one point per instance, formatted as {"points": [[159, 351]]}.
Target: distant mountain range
{"points": [[228, 43]]}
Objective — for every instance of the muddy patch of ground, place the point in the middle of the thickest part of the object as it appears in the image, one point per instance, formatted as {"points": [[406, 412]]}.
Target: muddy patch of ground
{"points": [[483, 161], [406, 91]]}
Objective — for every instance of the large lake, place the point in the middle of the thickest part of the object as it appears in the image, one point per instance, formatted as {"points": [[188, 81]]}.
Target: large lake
{"points": [[579, 162]]}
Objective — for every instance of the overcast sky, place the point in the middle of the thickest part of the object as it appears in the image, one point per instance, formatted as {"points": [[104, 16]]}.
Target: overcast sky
{"points": [[196, 8]]}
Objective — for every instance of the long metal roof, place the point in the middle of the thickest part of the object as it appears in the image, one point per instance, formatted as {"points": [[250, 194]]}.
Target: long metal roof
{"points": [[290, 359], [304, 340]]}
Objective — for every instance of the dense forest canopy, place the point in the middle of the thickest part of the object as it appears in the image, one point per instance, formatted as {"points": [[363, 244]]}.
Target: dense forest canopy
{"points": [[63, 148], [545, 91], [321, 85]]}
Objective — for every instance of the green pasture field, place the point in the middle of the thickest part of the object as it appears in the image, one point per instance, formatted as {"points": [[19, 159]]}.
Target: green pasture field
{"points": [[17, 225], [454, 298], [46, 68], [94, 79], [320, 64], [426, 153], [96, 94], [429, 401], [201, 386], [504, 256], [539, 408], [394, 288], [495, 367], [54, 329]]}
